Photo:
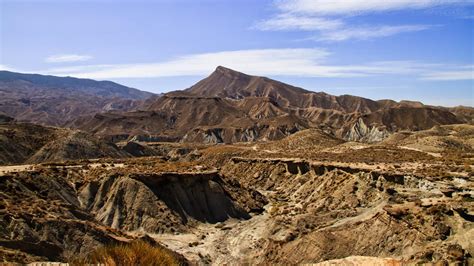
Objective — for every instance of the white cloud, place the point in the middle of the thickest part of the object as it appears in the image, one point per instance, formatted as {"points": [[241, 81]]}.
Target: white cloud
{"points": [[326, 17], [5, 68], [307, 62], [64, 58], [8, 68], [460, 73], [298, 62], [294, 22], [366, 33], [351, 7]]}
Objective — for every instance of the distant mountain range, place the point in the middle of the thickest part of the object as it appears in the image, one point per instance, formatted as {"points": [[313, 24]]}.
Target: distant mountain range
{"points": [[226, 107], [229, 106], [51, 100]]}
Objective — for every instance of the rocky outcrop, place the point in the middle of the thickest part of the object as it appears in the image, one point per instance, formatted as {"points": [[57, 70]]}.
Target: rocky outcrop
{"points": [[213, 136], [233, 135], [153, 138], [200, 196], [41, 220], [166, 202], [124, 203], [273, 167], [363, 133], [219, 135], [139, 150]]}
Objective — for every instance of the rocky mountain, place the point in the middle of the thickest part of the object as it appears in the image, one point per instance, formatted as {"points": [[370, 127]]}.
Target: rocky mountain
{"points": [[229, 106], [227, 83], [287, 185], [51, 100]]}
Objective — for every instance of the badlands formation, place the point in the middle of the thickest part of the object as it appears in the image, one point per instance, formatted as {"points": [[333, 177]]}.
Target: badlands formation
{"points": [[236, 169]]}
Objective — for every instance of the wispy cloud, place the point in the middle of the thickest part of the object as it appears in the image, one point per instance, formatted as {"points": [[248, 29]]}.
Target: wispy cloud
{"points": [[297, 22], [352, 7], [460, 73], [304, 62], [65, 58], [327, 18], [298, 62], [366, 33], [6, 68]]}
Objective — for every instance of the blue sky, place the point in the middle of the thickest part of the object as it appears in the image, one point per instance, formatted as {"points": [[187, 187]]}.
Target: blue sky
{"points": [[399, 49]]}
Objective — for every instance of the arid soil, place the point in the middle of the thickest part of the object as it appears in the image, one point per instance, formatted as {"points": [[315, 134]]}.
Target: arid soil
{"points": [[236, 169], [308, 198]]}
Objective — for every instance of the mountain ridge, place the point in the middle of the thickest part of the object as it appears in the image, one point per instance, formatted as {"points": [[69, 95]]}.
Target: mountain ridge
{"points": [[53, 101], [103, 88], [230, 106]]}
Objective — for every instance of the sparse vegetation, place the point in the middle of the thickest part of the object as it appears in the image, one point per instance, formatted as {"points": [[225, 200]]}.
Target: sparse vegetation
{"points": [[137, 252], [319, 187]]}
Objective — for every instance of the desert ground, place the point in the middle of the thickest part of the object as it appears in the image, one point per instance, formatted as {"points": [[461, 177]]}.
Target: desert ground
{"points": [[307, 198]]}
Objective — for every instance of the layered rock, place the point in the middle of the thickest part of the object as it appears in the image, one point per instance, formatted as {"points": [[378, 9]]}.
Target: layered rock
{"points": [[30, 143], [166, 202], [41, 220], [361, 132], [229, 106]]}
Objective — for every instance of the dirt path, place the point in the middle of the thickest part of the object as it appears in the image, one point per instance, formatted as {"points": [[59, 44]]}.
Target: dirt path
{"points": [[31, 167], [226, 243], [15, 168], [434, 154]]}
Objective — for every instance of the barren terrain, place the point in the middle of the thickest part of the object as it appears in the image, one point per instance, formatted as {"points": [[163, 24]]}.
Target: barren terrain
{"points": [[240, 169], [271, 202]]}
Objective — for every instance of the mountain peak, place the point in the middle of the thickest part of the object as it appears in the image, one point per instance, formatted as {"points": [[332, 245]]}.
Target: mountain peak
{"points": [[220, 70], [227, 83]]}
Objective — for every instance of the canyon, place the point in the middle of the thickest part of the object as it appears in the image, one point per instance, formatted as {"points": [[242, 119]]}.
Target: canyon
{"points": [[236, 169]]}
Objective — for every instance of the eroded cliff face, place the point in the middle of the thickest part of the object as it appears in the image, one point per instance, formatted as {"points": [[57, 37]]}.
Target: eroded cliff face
{"points": [[233, 135], [322, 211], [363, 133], [59, 212], [124, 203], [41, 220], [167, 202], [258, 207]]}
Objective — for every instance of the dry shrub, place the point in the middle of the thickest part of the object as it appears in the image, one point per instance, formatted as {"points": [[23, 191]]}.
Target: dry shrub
{"points": [[467, 167], [134, 253], [396, 211]]}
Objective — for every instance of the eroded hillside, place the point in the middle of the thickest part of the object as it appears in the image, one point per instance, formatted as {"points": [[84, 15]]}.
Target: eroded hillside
{"points": [[23, 143], [308, 198], [231, 107], [53, 101]]}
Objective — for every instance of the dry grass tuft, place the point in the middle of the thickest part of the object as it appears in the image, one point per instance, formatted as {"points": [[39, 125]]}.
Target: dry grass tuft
{"points": [[134, 253]]}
